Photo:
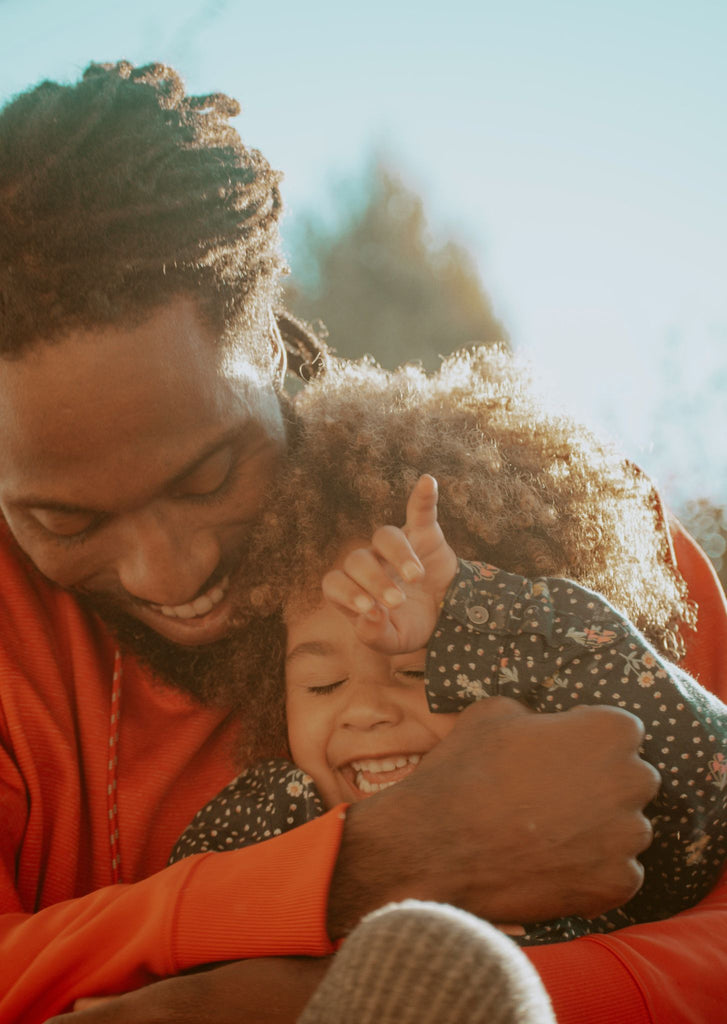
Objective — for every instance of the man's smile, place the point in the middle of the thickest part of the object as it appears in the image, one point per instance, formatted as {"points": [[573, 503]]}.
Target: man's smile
{"points": [[200, 606], [204, 619]]}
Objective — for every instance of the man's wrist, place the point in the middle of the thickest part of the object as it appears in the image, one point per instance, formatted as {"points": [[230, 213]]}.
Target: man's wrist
{"points": [[375, 863], [350, 896]]}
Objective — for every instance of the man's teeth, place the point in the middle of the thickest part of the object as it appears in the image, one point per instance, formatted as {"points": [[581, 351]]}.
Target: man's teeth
{"points": [[200, 606], [376, 766]]}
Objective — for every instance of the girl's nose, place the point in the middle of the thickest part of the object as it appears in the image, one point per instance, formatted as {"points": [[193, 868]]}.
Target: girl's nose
{"points": [[371, 704]]}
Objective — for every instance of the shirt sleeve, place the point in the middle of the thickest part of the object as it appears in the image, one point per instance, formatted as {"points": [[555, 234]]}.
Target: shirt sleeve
{"points": [[204, 909], [554, 645]]}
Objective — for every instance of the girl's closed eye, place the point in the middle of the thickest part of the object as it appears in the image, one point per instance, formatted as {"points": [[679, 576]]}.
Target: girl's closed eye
{"points": [[325, 688], [410, 675], [409, 668]]}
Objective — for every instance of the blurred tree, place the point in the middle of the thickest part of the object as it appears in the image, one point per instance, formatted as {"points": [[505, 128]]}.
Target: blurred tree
{"points": [[708, 525], [380, 283]]}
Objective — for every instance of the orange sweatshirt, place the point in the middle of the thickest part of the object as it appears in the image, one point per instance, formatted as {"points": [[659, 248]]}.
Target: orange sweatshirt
{"points": [[71, 774], [668, 972]]}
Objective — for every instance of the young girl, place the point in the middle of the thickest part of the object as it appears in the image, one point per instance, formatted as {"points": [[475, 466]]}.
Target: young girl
{"points": [[534, 495]]}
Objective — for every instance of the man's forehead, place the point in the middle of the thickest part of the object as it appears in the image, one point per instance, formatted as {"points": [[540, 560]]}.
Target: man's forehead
{"points": [[173, 348], [43, 487], [120, 401]]}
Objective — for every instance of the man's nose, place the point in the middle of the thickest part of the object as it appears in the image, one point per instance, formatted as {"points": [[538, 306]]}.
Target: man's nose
{"points": [[165, 561]]}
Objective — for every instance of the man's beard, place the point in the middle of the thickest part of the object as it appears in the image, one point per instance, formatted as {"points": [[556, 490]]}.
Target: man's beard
{"points": [[241, 673], [210, 673], [206, 672]]}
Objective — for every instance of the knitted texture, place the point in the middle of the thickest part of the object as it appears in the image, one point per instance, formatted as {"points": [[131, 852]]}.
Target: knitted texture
{"points": [[427, 963]]}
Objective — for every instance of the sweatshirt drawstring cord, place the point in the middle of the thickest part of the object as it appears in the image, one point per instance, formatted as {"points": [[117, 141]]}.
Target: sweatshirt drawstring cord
{"points": [[111, 779]]}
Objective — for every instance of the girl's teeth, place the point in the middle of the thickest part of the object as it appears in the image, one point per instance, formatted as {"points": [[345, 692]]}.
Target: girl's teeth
{"points": [[381, 766], [388, 764], [372, 787]]}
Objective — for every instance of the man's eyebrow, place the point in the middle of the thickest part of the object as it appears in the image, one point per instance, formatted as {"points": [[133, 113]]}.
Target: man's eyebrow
{"points": [[32, 501], [317, 647]]}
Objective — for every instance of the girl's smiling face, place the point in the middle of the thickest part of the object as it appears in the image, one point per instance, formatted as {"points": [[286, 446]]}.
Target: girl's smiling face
{"points": [[358, 720]]}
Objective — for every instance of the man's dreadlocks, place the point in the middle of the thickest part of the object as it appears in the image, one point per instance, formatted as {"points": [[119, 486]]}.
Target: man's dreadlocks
{"points": [[120, 191]]}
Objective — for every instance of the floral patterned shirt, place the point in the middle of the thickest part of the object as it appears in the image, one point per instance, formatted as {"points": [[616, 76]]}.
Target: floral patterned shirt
{"points": [[553, 645]]}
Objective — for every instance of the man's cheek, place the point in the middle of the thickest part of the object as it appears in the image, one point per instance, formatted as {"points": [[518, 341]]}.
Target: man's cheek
{"points": [[59, 567]]}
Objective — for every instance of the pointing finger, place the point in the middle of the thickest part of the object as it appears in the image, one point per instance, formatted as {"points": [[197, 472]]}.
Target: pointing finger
{"points": [[421, 508]]}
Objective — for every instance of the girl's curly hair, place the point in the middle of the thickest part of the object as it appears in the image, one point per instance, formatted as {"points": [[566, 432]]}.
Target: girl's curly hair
{"points": [[521, 486], [120, 191]]}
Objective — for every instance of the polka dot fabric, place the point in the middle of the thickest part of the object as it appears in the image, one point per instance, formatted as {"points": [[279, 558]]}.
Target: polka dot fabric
{"points": [[554, 645], [260, 803]]}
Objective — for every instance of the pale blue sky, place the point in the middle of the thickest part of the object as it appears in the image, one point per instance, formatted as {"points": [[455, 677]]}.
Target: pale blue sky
{"points": [[577, 148]]}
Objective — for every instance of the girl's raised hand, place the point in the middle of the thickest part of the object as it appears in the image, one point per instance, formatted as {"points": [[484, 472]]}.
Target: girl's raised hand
{"points": [[392, 588]]}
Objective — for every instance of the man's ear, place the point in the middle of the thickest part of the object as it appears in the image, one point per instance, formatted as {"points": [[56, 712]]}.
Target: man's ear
{"points": [[280, 354]]}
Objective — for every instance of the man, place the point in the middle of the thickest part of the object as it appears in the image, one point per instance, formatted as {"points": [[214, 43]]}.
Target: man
{"points": [[141, 417]]}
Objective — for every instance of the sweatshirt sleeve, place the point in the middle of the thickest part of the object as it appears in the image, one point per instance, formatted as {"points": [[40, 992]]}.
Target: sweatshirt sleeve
{"points": [[207, 908], [673, 970]]}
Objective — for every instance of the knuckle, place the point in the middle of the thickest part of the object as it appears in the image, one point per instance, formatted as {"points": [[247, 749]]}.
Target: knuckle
{"points": [[332, 583], [651, 779], [617, 886], [356, 561], [641, 781], [495, 710], [631, 835], [385, 533], [633, 728], [626, 724], [617, 726], [631, 881], [644, 834]]}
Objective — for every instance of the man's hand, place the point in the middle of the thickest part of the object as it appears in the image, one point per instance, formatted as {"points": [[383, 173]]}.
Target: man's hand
{"points": [[515, 816], [266, 991], [391, 589]]}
